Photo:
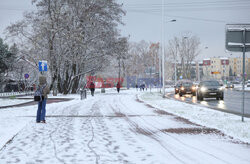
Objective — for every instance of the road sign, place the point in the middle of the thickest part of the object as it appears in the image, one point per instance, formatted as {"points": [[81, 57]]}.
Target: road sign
{"points": [[42, 65], [238, 40], [238, 36], [26, 76]]}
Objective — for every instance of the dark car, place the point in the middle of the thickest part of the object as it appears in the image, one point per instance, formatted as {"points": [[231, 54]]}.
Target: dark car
{"points": [[187, 87], [177, 88], [210, 89]]}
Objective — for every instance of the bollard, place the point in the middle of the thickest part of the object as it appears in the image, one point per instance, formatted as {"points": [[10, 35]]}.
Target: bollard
{"points": [[83, 93]]}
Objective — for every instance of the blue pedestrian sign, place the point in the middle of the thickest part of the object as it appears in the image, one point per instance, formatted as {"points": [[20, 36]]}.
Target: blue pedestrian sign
{"points": [[42, 65]]}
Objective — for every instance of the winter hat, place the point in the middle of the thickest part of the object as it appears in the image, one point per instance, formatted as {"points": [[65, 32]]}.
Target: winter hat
{"points": [[42, 80]]}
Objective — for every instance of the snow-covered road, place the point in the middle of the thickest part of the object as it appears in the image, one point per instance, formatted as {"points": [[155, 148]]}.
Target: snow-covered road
{"points": [[118, 128]]}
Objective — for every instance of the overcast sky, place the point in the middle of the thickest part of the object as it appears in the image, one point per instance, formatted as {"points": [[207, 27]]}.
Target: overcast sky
{"points": [[204, 18]]}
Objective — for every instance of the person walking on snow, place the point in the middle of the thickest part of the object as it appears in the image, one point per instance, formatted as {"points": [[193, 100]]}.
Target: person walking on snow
{"points": [[118, 86], [92, 88], [41, 111]]}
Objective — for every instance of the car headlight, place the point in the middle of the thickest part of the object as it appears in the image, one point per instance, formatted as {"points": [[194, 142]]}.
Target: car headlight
{"points": [[221, 88], [182, 88], [203, 89]]}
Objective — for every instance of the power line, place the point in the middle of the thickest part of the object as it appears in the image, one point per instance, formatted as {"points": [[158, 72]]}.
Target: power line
{"points": [[212, 5], [193, 18], [194, 3], [243, 7]]}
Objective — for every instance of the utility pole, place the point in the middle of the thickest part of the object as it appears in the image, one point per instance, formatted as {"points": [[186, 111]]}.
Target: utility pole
{"points": [[175, 69], [163, 52], [244, 74], [159, 71]]}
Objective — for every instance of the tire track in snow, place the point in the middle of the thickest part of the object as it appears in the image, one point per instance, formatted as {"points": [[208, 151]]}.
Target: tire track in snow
{"points": [[54, 131], [57, 127], [54, 146], [188, 146], [147, 131]]}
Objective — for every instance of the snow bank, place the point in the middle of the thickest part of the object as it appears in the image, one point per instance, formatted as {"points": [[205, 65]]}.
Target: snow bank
{"points": [[228, 123]]}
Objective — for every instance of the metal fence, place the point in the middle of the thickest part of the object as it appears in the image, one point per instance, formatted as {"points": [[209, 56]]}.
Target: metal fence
{"points": [[10, 94]]}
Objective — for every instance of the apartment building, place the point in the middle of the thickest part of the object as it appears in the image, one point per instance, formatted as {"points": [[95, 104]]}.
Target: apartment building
{"points": [[223, 68], [216, 68], [236, 65]]}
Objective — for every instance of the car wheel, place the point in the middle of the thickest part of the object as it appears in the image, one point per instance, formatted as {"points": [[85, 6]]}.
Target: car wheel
{"points": [[222, 97], [180, 94], [217, 98]]}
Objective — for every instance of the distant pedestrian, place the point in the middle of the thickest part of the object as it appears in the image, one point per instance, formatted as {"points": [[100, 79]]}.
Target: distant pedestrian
{"points": [[92, 88], [136, 86], [41, 111], [143, 86], [118, 86]]}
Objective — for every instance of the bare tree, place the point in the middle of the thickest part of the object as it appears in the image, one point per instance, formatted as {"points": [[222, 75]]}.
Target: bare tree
{"points": [[185, 49], [76, 37]]}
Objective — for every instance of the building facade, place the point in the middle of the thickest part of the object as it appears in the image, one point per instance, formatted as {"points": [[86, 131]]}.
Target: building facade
{"points": [[225, 68], [236, 65]]}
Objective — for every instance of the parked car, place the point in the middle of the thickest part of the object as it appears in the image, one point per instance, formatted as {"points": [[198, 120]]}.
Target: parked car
{"points": [[248, 83], [236, 82], [187, 87], [229, 85], [210, 89]]}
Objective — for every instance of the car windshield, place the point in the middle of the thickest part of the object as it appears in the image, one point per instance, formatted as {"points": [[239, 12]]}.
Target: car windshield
{"points": [[210, 83], [187, 84]]}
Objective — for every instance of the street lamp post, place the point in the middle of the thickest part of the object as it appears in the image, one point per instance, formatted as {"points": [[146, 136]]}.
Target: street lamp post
{"points": [[175, 76], [175, 69], [163, 50]]}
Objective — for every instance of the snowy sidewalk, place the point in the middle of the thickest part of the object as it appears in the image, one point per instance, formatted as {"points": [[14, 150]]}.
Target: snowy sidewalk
{"points": [[118, 128]]}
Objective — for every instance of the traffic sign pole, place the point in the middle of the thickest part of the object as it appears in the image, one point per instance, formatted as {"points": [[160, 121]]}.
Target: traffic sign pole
{"points": [[237, 40]]}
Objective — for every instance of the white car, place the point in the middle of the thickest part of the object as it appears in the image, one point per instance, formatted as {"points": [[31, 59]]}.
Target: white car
{"points": [[248, 83]]}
